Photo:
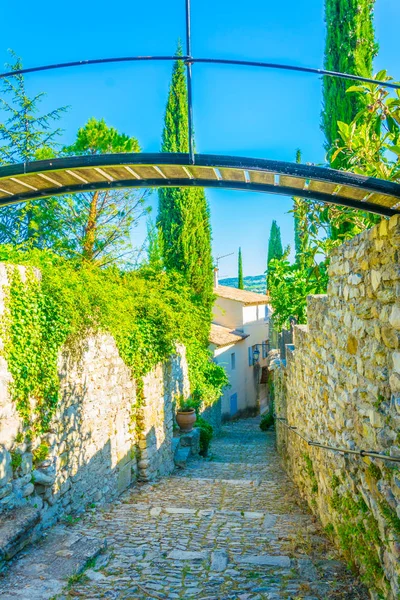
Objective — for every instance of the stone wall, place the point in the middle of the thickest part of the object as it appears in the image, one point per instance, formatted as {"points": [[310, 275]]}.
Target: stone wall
{"points": [[213, 415], [107, 432], [341, 387]]}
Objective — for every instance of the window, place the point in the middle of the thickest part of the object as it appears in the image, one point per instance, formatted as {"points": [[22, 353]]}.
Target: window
{"points": [[250, 356], [254, 354], [233, 361], [265, 349], [233, 402]]}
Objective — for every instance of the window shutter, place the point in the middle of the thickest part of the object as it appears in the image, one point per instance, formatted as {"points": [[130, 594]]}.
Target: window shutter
{"points": [[264, 350], [250, 356]]}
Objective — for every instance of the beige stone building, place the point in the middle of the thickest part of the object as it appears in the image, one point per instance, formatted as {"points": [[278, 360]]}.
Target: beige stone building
{"points": [[239, 342]]}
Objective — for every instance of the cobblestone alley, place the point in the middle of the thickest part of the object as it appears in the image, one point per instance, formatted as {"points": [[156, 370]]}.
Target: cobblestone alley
{"points": [[231, 527]]}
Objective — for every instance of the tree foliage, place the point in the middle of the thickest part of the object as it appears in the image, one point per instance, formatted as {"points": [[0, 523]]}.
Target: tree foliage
{"points": [[275, 249], [183, 214], [98, 225], [290, 284], [27, 134], [349, 48], [146, 313], [297, 203], [240, 270], [370, 144], [94, 226]]}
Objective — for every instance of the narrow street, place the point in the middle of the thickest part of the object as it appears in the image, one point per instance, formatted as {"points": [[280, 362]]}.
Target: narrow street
{"points": [[230, 527]]}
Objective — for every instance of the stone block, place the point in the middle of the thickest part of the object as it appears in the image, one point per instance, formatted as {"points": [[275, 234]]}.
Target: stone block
{"points": [[191, 440], [394, 318], [5, 466], [186, 555], [264, 560], [219, 560], [27, 490], [16, 528], [43, 478], [124, 478]]}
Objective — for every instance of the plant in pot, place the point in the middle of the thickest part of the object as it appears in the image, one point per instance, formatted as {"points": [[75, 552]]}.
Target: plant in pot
{"points": [[185, 414]]}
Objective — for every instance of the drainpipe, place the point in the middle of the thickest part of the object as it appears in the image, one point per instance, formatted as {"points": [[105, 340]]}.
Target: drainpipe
{"points": [[216, 277]]}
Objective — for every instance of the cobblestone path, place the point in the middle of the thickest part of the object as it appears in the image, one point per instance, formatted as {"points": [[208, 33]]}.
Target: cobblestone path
{"points": [[231, 527], [226, 528]]}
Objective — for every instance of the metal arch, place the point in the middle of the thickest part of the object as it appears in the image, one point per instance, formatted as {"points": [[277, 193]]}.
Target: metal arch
{"points": [[54, 177], [206, 60]]}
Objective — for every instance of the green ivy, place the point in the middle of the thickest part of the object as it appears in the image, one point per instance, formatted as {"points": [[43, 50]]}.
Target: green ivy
{"points": [[16, 460], [309, 468], [359, 537], [390, 515], [147, 313], [206, 433]]}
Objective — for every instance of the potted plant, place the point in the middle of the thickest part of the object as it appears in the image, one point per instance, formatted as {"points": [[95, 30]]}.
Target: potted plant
{"points": [[185, 414]]}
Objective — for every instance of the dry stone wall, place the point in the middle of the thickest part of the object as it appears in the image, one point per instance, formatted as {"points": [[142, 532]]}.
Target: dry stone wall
{"points": [[341, 387], [108, 431]]}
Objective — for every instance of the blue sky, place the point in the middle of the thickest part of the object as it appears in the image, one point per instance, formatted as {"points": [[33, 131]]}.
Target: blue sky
{"points": [[238, 111]]}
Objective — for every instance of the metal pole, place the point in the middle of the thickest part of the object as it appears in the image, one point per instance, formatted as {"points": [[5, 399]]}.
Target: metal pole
{"points": [[189, 84]]}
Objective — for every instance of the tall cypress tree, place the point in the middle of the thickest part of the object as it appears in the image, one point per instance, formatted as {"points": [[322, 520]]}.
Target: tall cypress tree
{"points": [[183, 213], [350, 48], [240, 271], [296, 202], [275, 249]]}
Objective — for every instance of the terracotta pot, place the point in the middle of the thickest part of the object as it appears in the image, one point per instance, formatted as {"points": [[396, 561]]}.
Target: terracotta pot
{"points": [[186, 419]]}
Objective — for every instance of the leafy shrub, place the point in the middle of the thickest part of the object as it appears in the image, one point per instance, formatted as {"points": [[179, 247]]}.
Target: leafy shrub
{"points": [[147, 313], [16, 460], [267, 420], [41, 453], [186, 404], [206, 433]]}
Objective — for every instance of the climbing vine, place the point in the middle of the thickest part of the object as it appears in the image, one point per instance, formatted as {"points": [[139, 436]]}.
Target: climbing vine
{"points": [[358, 532], [146, 313]]}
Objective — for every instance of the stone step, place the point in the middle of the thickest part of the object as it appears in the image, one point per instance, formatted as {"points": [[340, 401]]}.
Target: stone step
{"points": [[41, 574], [176, 444], [191, 440], [181, 457], [16, 531]]}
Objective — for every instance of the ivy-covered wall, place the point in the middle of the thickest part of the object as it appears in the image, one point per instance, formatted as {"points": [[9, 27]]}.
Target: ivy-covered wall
{"points": [[341, 387], [105, 429]]}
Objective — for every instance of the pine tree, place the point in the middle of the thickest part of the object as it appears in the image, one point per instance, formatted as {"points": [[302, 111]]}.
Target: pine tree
{"points": [[26, 135], [275, 249], [240, 271], [183, 214], [349, 48], [100, 223]]}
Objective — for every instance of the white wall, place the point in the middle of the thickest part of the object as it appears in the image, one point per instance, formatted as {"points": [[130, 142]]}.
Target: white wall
{"points": [[244, 379], [228, 313], [237, 377], [258, 332]]}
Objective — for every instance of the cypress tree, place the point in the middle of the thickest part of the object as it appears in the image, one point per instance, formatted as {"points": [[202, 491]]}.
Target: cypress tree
{"points": [[275, 249], [183, 213], [240, 271], [296, 202], [350, 48]]}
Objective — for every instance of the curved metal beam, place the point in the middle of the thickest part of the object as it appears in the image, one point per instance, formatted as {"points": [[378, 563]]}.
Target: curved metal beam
{"points": [[192, 60], [71, 175]]}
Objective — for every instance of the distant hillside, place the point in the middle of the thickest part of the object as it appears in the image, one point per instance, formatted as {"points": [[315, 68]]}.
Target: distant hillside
{"points": [[253, 284]]}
